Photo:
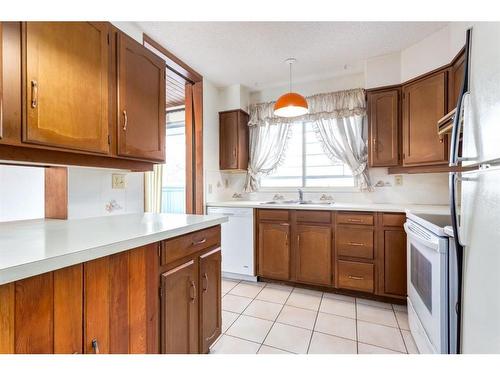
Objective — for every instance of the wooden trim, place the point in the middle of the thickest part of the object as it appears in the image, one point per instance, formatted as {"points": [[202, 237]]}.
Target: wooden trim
{"points": [[173, 62], [440, 168], [189, 131], [234, 110], [384, 88], [7, 299], [458, 56], [56, 193], [198, 147], [1, 80], [23, 155]]}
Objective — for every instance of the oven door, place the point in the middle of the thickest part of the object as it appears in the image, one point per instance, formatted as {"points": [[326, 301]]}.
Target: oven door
{"points": [[427, 283]]}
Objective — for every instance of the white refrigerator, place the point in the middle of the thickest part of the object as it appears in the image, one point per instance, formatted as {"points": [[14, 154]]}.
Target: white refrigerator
{"points": [[475, 195]]}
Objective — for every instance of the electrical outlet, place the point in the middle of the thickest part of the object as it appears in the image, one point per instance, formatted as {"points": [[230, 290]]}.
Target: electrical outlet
{"points": [[398, 180], [118, 181]]}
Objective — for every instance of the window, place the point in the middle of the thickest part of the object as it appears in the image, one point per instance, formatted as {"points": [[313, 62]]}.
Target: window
{"points": [[305, 164], [174, 173]]}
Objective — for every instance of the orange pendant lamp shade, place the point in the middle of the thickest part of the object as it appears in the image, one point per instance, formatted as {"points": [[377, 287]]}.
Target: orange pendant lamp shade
{"points": [[290, 104]]}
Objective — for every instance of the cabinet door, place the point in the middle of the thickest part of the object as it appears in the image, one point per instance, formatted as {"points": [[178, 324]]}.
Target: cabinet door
{"points": [[274, 250], [179, 309], [210, 299], [424, 103], [228, 141], [383, 119], [96, 300], [314, 254], [457, 75], [66, 85], [42, 314], [394, 262], [141, 101]]}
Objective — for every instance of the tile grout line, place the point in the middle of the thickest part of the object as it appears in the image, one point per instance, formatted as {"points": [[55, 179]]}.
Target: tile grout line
{"points": [[356, 316], [314, 325], [274, 322], [400, 333]]}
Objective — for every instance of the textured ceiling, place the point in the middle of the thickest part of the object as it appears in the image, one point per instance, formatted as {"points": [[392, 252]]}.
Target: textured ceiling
{"points": [[252, 53]]}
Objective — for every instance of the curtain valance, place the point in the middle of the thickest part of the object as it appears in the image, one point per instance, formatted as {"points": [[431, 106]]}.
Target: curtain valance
{"points": [[326, 106]]}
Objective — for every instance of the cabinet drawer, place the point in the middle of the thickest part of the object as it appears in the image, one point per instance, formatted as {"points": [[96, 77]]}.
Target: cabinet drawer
{"points": [[354, 218], [355, 242], [179, 247], [393, 220], [275, 215], [323, 217], [355, 276]]}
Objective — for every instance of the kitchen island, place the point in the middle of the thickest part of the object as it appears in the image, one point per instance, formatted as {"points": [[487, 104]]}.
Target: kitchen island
{"points": [[115, 284]]}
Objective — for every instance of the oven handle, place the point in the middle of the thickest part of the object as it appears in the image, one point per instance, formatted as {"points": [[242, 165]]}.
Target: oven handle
{"points": [[415, 236]]}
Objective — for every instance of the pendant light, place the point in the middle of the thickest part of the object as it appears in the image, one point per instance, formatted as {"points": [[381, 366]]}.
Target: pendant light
{"points": [[290, 104]]}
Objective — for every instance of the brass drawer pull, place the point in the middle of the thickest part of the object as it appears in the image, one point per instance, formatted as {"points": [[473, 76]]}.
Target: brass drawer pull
{"points": [[356, 243], [194, 243], [192, 292], [125, 120], [355, 277], [205, 282], [354, 220], [34, 94], [95, 346]]}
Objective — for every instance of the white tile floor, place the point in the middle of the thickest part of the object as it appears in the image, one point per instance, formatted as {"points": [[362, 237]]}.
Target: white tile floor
{"points": [[275, 319]]}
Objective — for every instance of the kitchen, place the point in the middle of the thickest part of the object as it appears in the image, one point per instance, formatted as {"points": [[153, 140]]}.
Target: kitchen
{"points": [[330, 190]]}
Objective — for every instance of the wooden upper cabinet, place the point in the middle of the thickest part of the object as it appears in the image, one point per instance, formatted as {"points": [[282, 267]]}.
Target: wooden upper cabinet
{"points": [[313, 255], [424, 103], [66, 85], [456, 78], [233, 140], [210, 299], [274, 250], [384, 127], [179, 309], [141, 101]]}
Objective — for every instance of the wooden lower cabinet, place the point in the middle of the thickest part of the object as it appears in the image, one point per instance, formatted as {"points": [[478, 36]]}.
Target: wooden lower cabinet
{"points": [[391, 256], [107, 305], [274, 250], [313, 255], [354, 251], [210, 298], [179, 309], [191, 295]]}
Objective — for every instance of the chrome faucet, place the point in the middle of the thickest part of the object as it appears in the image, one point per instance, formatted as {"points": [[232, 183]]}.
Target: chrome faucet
{"points": [[301, 195]]}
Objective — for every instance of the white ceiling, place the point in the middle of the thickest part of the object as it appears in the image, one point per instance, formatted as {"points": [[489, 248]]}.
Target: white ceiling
{"points": [[252, 53]]}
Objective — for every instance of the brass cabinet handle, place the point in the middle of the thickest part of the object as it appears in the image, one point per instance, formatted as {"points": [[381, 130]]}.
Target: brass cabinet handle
{"points": [[356, 244], [34, 94], [205, 282], [298, 240], [374, 144], [234, 152], [285, 224], [355, 220], [192, 291], [125, 120], [194, 243], [95, 346], [355, 277]]}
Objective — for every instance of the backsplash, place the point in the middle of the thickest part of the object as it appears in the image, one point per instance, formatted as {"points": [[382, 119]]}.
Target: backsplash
{"points": [[90, 193], [415, 189]]}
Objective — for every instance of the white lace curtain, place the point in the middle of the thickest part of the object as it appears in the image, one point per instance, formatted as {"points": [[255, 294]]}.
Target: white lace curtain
{"points": [[339, 119]]}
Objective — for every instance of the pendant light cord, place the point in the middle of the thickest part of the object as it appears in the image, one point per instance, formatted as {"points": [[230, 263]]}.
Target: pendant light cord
{"points": [[290, 63]]}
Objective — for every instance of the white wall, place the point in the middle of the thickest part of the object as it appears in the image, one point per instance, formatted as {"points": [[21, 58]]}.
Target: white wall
{"points": [[22, 192], [90, 190], [383, 70]]}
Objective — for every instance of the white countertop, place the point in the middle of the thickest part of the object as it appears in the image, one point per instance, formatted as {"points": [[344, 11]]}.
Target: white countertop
{"points": [[32, 247], [379, 207]]}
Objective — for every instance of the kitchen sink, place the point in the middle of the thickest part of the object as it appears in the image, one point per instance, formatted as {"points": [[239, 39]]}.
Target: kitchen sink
{"points": [[297, 202]]}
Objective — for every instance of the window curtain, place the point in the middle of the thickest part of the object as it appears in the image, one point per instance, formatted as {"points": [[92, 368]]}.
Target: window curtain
{"points": [[339, 119], [152, 189], [267, 145]]}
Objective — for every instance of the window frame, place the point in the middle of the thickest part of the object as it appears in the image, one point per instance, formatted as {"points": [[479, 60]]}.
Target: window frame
{"points": [[304, 175]]}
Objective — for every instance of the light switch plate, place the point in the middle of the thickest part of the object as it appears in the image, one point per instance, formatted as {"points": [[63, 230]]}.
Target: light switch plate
{"points": [[118, 181], [398, 180]]}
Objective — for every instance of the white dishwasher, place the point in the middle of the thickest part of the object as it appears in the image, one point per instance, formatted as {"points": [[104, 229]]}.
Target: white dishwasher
{"points": [[237, 242]]}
